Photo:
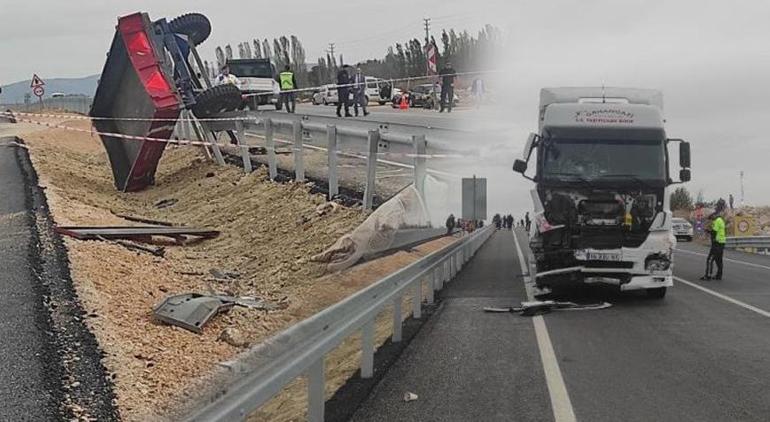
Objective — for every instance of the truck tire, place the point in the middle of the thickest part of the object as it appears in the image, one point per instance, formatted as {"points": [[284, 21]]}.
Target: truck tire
{"points": [[196, 26], [217, 99], [656, 293]]}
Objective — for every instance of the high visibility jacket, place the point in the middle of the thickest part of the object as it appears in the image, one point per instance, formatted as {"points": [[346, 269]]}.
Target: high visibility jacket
{"points": [[287, 80], [719, 230]]}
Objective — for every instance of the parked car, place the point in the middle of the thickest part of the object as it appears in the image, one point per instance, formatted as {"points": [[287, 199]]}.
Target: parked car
{"points": [[422, 96], [682, 229]]}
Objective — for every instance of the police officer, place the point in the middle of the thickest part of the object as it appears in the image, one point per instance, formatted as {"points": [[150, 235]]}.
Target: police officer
{"points": [[288, 83], [448, 75], [343, 91], [719, 243]]}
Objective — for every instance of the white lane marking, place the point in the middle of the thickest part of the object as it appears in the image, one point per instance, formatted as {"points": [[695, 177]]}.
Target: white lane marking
{"points": [[560, 402], [724, 297], [750, 264]]}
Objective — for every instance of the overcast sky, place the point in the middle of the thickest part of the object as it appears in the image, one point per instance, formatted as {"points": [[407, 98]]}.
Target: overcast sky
{"points": [[711, 59]]}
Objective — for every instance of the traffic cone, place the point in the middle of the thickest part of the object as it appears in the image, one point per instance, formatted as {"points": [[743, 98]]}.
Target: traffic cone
{"points": [[404, 103]]}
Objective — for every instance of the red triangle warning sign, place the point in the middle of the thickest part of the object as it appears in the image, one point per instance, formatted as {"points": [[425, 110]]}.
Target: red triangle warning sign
{"points": [[36, 81]]}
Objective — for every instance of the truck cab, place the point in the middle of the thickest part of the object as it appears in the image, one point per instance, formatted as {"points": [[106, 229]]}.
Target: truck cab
{"points": [[256, 76], [601, 199]]}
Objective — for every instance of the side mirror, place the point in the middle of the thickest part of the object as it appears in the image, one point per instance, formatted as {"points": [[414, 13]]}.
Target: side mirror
{"points": [[684, 175], [531, 142], [520, 166], [684, 154]]}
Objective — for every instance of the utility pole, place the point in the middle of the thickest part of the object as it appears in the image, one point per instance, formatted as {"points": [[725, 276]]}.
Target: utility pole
{"points": [[427, 30], [742, 197], [331, 49]]}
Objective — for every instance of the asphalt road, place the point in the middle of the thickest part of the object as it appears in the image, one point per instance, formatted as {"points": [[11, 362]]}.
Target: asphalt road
{"points": [[23, 377], [701, 354]]}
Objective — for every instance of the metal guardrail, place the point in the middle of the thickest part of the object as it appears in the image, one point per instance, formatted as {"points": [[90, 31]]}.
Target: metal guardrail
{"points": [[261, 373], [759, 242], [333, 139]]}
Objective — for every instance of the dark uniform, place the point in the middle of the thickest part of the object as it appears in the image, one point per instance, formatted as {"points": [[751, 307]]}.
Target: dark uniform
{"points": [[447, 87], [343, 92]]}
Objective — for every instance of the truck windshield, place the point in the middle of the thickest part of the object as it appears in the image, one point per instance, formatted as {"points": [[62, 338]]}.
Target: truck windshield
{"points": [[587, 159], [251, 70]]}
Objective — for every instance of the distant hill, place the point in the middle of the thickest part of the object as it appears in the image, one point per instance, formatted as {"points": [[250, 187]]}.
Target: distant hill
{"points": [[14, 93]]}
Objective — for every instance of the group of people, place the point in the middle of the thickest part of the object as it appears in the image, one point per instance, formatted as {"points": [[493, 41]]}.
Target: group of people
{"points": [[351, 83], [463, 224], [504, 222]]}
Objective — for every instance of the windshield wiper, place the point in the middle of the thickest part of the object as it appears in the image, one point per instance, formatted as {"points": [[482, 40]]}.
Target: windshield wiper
{"points": [[574, 178], [633, 177]]}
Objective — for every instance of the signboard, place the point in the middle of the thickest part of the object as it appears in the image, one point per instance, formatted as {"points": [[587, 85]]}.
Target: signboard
{"points": [[38, 90], [474, 198], [432, 59], [36, 81], [743, 225]]}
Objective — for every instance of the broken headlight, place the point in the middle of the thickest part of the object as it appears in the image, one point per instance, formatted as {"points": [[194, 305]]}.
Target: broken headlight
{"points": [[657, 263]]}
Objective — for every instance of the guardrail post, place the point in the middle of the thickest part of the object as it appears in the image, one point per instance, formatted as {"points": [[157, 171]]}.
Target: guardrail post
{"points": [[431, 279], [315, 391], [417, 299], [420, 148], [245, 156], [371, 169], [367, 350], [331, 147], [397, 319], [299, 165], [272, 167]]}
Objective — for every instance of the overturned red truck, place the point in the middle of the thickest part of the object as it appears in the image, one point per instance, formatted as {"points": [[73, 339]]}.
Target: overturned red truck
{"points": [[146, 82]]}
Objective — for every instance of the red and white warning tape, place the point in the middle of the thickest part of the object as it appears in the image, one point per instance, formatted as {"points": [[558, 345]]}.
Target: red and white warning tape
{"points": [[184, 142], [136, 119]]}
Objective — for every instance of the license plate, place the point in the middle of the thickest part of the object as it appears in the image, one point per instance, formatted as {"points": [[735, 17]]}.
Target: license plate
{"points": [[604, 256]]}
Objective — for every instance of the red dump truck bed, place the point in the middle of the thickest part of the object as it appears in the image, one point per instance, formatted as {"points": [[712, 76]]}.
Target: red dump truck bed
{"points": [[135, 85]]}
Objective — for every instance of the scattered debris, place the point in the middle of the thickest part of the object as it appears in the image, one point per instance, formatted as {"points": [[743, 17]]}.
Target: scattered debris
{"points": [[543, 307], [140, 233], [326, 208], [257, 150], [157, 251], [144, 220], [220, 275], [233, 337], [192, 311], [165, 203], [409, 396]]}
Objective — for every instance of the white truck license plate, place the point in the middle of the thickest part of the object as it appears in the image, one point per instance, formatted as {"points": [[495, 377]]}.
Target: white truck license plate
{"points": [[604, 256]]}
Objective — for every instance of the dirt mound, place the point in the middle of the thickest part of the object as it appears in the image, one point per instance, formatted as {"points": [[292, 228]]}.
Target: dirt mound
{"points": [[269, 231]]}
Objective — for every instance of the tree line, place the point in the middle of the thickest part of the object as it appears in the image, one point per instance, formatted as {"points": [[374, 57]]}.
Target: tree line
{"points": [[466, 52]]}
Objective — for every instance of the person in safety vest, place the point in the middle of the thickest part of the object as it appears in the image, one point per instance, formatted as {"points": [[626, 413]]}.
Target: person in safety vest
{"points": [[288, 84], [719, 243]]}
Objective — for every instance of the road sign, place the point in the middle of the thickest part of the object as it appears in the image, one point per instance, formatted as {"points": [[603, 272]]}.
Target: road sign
{"points": [[36, 81], [38, 90], [474, 192]]}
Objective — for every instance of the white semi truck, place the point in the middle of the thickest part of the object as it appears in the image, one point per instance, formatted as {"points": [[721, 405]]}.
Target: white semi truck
{"points": [[601, 200]]}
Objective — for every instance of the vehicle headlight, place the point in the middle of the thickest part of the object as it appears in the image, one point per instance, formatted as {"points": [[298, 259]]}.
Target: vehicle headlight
{"points": [[657, 264]]}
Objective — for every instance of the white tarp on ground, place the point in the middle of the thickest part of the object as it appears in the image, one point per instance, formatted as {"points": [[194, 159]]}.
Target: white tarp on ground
{"points": [[376, 233]]}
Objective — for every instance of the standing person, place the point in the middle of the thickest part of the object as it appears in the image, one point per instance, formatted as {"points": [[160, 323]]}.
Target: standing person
{"points": [[359, 92], [497, 221], [719, 243], [527, 222], [343, 91], [478, 89], [450, 224], [447, 74], [288, 83], [708, 228], [225, 77]]}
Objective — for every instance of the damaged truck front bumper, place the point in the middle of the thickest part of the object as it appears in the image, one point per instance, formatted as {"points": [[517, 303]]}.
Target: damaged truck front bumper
{"points": [[649, 266]]}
